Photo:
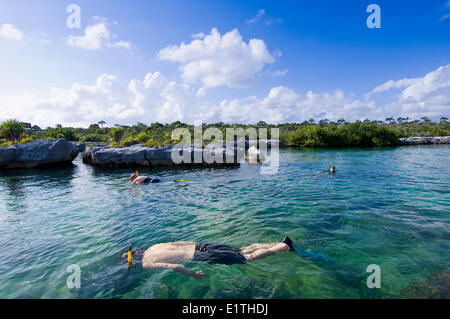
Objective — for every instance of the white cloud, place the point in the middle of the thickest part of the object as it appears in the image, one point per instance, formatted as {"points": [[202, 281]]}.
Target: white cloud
{"points": [[445, 17], [121, 44], [157, 99], [417, 97], [418, 88], [10, 32], [279, 73], [391, 84], [283, 104], [95, 38], [202, 91], [152, 99], [261, 13], [199, 35], [261, 16], [218, 60]]}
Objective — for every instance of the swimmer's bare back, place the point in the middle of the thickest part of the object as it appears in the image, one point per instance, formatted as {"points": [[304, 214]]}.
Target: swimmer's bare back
{"points": [[169, 256]]}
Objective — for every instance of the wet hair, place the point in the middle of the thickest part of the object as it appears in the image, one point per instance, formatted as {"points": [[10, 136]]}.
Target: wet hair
{"points": [[136, 256], [133, 177]]}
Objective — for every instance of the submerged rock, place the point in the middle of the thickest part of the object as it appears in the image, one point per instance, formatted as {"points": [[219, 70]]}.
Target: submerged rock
{"points": [[39, 153], [437, 286], [422, 140]]}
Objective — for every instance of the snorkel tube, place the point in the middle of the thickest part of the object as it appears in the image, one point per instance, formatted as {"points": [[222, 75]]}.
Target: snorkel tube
{"points": [[130, 262]]}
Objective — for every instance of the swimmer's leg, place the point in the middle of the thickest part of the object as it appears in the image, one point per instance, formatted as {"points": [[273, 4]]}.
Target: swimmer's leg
{"points": [[253, 247], [264, 252]]}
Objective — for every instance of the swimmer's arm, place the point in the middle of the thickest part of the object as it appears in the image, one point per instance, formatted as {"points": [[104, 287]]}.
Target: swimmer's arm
{"points": [[139, 179], [178, 268]]}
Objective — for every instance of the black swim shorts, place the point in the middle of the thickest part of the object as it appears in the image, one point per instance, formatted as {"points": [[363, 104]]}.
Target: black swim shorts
{"points": [[218, 254], [149, 180]]}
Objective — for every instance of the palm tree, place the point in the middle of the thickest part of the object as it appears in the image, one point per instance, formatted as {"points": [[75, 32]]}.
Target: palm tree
{"points": [[117, 133], [390, 120], [12, 130], [101, 123], [323, 122]]}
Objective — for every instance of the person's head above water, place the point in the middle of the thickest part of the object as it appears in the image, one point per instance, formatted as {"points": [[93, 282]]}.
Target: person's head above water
{"points": [[332, 169], [133, 177]]}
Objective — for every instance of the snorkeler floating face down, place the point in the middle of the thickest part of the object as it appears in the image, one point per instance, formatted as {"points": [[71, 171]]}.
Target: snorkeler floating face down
{"points": [[136, 179], [171, 255]]}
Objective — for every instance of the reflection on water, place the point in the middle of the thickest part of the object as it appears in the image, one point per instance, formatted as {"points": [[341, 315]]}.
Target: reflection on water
{"points": [[385, 206]]}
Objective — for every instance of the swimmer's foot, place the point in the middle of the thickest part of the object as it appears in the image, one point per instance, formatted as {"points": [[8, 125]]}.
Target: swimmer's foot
{"points": [[288, 242]]}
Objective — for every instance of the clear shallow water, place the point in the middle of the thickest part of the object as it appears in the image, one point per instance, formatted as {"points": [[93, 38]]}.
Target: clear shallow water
{"points": [[385, 206]]}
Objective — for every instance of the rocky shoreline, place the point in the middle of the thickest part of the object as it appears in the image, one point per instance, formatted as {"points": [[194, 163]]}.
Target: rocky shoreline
{"points": [[37, 154], [61, 152], [425, 140]]}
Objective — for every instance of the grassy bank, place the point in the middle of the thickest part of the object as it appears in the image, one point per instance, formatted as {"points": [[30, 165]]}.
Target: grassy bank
{"points": [[305, 134]]}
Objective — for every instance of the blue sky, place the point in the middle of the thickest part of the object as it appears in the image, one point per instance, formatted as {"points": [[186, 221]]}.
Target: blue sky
{"points": [[311, 59]]}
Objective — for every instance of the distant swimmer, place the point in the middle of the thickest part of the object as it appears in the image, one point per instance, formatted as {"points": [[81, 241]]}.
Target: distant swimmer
{"points": [[136, 179], [171, 255], [332, 169]]}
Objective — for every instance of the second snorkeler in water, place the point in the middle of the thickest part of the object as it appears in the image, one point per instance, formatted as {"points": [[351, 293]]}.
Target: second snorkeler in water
{"points": [[136, 179]]}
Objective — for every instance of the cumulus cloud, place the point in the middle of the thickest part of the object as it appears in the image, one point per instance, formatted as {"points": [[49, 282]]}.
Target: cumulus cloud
{"points": [[283, 104], [96, 37], [417, 97], [217, 60], [434, 83], [152, 99], [155, 98], [10, 32]]}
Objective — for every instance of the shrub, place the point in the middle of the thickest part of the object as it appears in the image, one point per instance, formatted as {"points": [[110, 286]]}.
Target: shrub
{"points": [[27, 140], [12, 130], [117, 133], [94, 138]]}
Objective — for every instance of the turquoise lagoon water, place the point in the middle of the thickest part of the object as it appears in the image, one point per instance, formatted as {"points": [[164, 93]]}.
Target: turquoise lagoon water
{"points": [[385, 206]]}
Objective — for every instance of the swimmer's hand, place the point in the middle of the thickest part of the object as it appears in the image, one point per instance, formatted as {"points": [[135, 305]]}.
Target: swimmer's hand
{"points": [[200, 275]]}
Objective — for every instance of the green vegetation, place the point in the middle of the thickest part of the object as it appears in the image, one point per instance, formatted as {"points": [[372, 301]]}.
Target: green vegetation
{"points": [[352, 134], [12, 131], [305, 134]]}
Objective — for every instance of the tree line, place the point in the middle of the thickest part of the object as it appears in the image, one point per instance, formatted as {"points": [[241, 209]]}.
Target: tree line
{"points": [[309, 133]]}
